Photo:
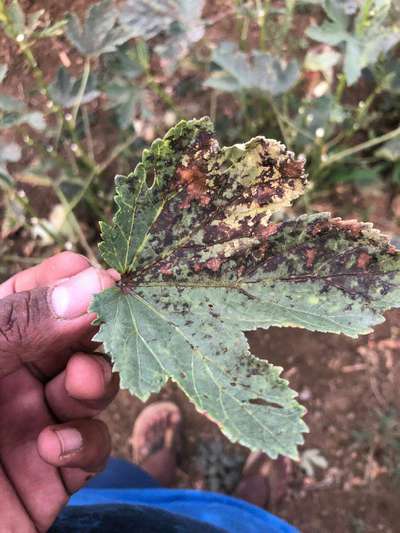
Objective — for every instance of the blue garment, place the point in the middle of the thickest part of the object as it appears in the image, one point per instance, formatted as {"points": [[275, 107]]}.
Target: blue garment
{"points": [[120, 474], [116, 518], [116, 508]]}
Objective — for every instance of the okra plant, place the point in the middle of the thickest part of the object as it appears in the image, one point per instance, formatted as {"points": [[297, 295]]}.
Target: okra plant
{"points": [[203, 259]]}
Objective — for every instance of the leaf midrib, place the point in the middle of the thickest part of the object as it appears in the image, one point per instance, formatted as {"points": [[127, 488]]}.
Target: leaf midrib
{"points": [[266, 281]]}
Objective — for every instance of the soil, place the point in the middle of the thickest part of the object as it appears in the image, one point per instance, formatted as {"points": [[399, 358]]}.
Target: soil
{"points": [[349, 387]]}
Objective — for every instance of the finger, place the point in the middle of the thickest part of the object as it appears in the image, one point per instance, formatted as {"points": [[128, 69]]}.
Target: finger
{"points": [[82, 444], [23, 413], [83, 389], [47, 320], [13, 515], [76, 478], [50, 366], [63, 265]]}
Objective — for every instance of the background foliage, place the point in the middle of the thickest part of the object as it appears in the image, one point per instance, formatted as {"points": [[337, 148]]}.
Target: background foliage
{"points": [[322, 75]]}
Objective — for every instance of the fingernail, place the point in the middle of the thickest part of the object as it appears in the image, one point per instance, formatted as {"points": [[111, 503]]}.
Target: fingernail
{"points": [[70, 440], [71, 298], [107, 370]]}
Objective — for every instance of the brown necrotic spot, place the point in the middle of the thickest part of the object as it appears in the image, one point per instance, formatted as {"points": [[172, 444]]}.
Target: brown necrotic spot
{"points": [[351, 226], [293, 168], [259, 401], [263, 193], [165, 269], [214, 264], [150, 177], [267, 231], [195, 182], [204, 140], [310, 257], [363, 260]]}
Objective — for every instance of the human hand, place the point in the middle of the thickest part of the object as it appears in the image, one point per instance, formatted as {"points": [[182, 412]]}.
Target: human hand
{"points": [[51, 387]]}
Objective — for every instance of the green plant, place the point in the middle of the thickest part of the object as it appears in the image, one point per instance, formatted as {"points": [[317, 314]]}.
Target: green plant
{"points": [[201, 261], [322, 124], [380, 439], [135, 70], [361, 29]]}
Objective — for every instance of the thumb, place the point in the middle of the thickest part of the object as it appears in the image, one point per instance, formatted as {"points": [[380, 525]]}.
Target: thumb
{"points": [[47, 320]]}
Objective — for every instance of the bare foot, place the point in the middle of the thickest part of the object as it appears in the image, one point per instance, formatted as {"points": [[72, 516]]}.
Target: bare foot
{"points": [[155, 441], [264, 482]]}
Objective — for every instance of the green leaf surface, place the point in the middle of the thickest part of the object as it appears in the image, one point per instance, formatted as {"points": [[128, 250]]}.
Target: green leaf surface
{"points": [[364, 41], [27, 24], [35, 119], [353, 63], [16, 16], [390, 150], [329, 33], [11, 104], [125, 98], [255, 71], [148, 18], [3, 72], [201, 262], [178, 21], [321, 60], [14, 112], [9, 153], [64, 90], [99, 33], [125, 63]]}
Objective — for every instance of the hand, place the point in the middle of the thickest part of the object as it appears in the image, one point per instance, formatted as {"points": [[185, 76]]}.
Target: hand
{"points": [[51, 387]]}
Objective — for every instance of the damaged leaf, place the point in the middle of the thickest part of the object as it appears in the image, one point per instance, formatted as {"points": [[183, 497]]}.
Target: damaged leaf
{"points": [[201, 262]]}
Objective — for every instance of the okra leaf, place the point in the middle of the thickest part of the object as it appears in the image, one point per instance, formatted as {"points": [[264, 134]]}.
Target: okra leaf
{"points": [[9, 153], [3, 71], [99, 32], [64, 90], [202, 262], [178, 21], [255, 71]]}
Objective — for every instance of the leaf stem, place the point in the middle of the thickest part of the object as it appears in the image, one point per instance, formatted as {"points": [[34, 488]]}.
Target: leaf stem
{"points": [[82, 89], [330, 160], [77, 228], [98, 169], [340, 88], [10, 258], [279, 119], [88, 132]]}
